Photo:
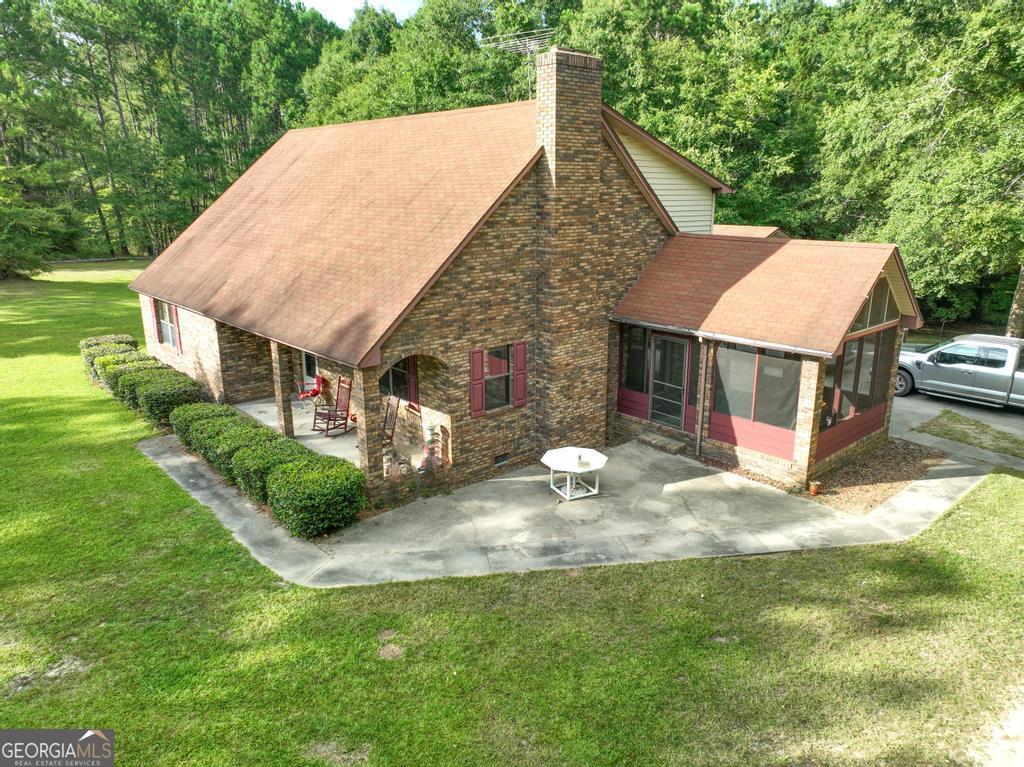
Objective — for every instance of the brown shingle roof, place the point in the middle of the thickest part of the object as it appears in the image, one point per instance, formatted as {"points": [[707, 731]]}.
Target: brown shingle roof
{"points": [[742, 230], [332, 235], [801, 294]]}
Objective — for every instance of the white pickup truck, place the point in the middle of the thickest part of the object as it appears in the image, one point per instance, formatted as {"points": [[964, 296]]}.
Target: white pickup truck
{"points": [[980, 368]]}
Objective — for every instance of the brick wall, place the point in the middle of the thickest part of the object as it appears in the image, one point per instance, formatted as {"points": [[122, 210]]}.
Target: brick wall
{"points": [[199, 356], [246, 369]]}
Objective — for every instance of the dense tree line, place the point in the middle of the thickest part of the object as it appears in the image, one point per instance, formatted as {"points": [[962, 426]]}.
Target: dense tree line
{"points": [[121, 120], [896, 120]]}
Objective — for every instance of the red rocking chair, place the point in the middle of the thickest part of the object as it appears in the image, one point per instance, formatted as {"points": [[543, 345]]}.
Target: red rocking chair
{"points": [[336, 415]]}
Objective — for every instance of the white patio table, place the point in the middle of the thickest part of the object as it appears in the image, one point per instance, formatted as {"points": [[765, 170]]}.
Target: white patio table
{"points": [[574, 462]]}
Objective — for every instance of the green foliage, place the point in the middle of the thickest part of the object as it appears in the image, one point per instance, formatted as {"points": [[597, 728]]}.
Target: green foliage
{"points": [[129, 383], [311, 498], [120, 122], [185, 417], [91, 353], [252, 465], [114, 338], [866, 119], [218, 439], [113, 375], [105, 365], [159, 397], [997, 299]]}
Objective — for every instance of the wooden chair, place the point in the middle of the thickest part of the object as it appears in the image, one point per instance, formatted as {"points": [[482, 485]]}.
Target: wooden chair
{"points": [[335, 415], [387, 433]]}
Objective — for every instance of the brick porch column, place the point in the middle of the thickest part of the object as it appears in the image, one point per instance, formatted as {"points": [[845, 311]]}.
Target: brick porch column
{"points": [[705, 393], [366, 403], [281, 359], [808, 415]]}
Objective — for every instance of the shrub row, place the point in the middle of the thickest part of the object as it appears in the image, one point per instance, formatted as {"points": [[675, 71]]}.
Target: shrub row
{"points": [[308, 493], [137, 379], [115, 338], [91, 353]]}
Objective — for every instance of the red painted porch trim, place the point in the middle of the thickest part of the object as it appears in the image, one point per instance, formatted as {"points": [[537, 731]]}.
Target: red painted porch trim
{"points": [[634, 403], [752, 435], [850, 430]]}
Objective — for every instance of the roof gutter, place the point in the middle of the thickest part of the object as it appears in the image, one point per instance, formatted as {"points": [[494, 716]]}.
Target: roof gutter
{"points": [[722, 337], [213, 317]]}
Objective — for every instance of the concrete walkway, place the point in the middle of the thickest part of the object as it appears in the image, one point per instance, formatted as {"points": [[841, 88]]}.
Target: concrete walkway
{"points": [[653, 507]]}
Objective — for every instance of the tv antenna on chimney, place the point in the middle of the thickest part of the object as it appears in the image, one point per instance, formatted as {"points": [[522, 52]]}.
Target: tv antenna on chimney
{"points": [[528, 44]]}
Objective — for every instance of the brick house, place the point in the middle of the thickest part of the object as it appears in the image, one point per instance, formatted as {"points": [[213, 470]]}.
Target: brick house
{"points": [[523, 276]]}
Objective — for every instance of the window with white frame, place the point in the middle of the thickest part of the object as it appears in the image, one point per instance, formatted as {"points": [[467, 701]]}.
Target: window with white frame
{"points": [[167, 323], [497, 378]]}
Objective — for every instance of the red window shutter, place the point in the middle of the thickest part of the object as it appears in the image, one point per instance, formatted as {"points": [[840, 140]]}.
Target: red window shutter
{"points": [[519, 373], [177, 327], [412, 379], [156, 320], [476, 382]]}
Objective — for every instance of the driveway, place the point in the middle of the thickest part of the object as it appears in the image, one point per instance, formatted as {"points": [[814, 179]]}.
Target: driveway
{"points": [[653, 506], [911, 411]]}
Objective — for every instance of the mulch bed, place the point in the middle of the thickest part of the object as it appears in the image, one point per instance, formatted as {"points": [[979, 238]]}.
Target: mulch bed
{"points": [[862, 485]]}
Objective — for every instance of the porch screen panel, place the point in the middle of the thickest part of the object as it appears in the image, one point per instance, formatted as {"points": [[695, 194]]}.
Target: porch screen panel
{"points": [[848, 396], [886, 351], [879, 299], [691, 389], [734, 380], [867, 372], [828, 395], [634, 359], [778, 389]]}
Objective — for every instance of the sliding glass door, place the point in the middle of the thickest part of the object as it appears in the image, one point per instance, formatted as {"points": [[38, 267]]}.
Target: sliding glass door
{"points": [[668, 380]]}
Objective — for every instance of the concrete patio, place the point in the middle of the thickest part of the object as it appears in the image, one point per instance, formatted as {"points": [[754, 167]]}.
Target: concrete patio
{"points": [[653, 506], [339, 445]]}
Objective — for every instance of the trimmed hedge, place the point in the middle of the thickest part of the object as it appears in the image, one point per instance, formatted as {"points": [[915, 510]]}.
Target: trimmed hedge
{"points": [[113, 374], [103, 365], [160, 396], [252, 465], [186, 416], [92, 353], [313, 497], [114, 338], [219, 445], [128, 384]]}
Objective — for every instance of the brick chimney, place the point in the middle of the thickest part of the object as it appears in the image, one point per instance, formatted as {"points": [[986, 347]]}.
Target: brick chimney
{"points": [[572, 322], [569, 113]]}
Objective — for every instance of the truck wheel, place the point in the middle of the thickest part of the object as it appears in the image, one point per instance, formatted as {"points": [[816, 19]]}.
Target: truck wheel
{"points": [[904, 384]]}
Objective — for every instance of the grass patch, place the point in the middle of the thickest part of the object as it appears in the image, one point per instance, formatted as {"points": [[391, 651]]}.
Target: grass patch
{"points": [[150, 619], [951, 425]]}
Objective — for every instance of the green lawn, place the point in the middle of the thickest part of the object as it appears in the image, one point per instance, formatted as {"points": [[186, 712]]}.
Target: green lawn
{"points": [[170, 633], [971, 431]]}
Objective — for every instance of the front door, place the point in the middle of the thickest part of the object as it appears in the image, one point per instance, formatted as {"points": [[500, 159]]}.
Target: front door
{"points": [[668, 380]]}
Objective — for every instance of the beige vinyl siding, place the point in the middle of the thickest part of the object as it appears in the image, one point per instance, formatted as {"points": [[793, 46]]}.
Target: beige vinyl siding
{"points": [[688, 200], [898, 286]]}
